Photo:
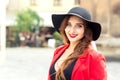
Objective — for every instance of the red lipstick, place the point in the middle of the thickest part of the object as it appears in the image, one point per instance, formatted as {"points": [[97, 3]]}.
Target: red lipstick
{"points": [[73, 35]]}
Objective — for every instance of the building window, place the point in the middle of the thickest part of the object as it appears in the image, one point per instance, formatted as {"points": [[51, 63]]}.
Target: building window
{"points": [[77, 2], [57, 2], [33, 2]]}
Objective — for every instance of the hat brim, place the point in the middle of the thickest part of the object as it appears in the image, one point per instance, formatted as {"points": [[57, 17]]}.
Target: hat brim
{"points": [[95, 27]]}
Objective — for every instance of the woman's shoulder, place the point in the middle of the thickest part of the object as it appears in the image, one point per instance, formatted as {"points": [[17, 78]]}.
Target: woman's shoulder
{"points": [[95, 55], [92, 54]]}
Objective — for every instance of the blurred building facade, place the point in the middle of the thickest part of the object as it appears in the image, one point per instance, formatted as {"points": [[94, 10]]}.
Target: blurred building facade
{"points": [[43, 7], [101, 11]]}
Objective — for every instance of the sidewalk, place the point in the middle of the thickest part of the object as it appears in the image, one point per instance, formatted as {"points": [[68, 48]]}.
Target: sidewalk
{"points": [[26, 64]]}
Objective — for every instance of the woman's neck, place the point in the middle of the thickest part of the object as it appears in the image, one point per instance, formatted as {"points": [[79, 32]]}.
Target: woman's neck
{"points": [[72, 46]]}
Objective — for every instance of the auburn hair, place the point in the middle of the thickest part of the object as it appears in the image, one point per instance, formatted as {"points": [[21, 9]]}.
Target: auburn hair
{"points": [[78, 50]]}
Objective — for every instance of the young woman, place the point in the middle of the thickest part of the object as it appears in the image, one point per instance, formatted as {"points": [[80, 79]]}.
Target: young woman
{"points": [[76, 59]]}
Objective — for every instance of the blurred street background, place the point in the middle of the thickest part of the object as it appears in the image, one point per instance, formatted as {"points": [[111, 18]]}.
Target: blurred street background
{"points": [[33, 64], [28, 39]]}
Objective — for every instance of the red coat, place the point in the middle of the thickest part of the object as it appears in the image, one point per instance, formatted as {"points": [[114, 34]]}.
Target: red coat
{"points": [[91, 65]]}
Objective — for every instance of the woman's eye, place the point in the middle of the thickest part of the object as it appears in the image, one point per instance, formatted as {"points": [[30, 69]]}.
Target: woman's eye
{"points": [[68, 24], [80, 25]]}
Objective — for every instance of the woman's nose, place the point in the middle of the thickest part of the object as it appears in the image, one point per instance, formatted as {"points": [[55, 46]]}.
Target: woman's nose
{"points": [[72, 29]]}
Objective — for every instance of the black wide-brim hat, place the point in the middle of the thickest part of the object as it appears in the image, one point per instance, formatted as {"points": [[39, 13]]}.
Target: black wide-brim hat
{"points": [[81, 13]]}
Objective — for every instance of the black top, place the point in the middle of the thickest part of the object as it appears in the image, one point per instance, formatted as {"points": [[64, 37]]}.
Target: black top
{"points": [[67, 71]]}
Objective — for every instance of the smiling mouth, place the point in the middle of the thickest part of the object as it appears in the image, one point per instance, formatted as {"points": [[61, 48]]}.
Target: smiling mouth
{"points": [[73, 35]]}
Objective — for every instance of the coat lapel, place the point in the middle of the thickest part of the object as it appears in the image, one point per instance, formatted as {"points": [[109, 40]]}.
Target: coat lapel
{"points": [[59, 52]]}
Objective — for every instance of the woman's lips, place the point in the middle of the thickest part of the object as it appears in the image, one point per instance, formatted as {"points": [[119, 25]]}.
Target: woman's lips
{"points": [[73, 35]]}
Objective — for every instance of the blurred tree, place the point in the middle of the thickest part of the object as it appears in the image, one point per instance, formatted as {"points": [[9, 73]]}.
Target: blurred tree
{"points": [[58, 38], [27, 20]]}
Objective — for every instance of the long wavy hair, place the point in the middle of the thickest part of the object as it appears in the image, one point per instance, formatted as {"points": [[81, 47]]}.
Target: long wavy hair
{"points": [[78, 50]]}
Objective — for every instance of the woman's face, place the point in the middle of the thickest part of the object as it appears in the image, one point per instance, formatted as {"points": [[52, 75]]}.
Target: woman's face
{"points": [[75, 29]]}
